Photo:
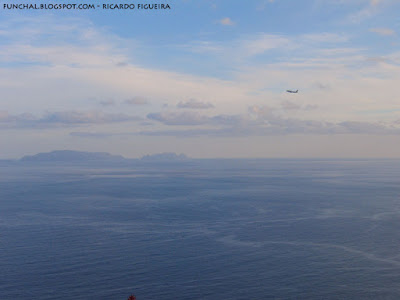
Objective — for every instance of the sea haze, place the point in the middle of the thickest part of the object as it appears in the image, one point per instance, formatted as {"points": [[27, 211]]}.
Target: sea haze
{"points": [[200, 229]]}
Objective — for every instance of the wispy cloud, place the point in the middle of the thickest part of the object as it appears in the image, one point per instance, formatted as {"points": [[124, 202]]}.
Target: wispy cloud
{"points": [[376, 2], [96, 135], [74, 42], [271, 127], [383, 31], [181, 118], [226, 22], [194, 104], [264, 42], [64, 118], [263, 4], [108, 102], [137, 101], [280, 126], [246, 48], [289, 105], [324, 37], [264, 120], [368, 11], [76, 117]]}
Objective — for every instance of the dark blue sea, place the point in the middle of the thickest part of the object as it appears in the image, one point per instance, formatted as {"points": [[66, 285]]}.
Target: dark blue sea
{"points": [[201, 229]]}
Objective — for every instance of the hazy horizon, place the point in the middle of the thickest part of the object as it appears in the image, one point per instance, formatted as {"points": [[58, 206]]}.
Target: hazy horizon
{"points": [[216, 157]]}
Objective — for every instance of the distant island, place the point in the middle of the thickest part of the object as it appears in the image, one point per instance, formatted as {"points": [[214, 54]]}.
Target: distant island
{"points": [[72, 156], [82, 156]]}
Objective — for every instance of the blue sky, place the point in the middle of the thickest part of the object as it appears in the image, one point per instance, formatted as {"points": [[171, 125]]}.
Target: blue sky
{"points": [[206, 77]]}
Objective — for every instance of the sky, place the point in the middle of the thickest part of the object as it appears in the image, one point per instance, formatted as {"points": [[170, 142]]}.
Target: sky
{"points": [[207, 78]]}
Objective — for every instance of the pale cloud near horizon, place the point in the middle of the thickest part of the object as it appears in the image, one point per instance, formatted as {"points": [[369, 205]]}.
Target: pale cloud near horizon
{"points": [[107, 102], [137, 100], [62, 118], [194, 104]]}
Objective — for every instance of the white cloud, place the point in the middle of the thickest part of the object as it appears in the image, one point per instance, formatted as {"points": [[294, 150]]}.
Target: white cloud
{"points": [[181, 118], [62, 118], [137, 101], [247, 47], [324, 37], [368, 11], [108, 102], [195, 104], [263, 4], [226, 22], [280, 126], [383, 31], [375, 2], [264, 42]]}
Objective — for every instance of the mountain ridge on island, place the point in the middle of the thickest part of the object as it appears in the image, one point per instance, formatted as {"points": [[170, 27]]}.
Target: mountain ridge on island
{"points": [[84, 156], [71, 156]]}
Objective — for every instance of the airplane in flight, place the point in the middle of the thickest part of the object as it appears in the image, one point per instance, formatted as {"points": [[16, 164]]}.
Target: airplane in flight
{"points": [[293, 92]]}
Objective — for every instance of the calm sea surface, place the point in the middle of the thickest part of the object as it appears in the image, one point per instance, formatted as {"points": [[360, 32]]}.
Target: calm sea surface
{"points": [[209, 229]]}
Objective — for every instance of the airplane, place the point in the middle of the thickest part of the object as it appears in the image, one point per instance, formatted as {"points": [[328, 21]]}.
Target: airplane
{"points": [[291, 91]]}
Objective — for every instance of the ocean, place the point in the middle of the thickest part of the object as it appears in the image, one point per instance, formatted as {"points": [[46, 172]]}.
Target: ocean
{"points": [[201, 229]]}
